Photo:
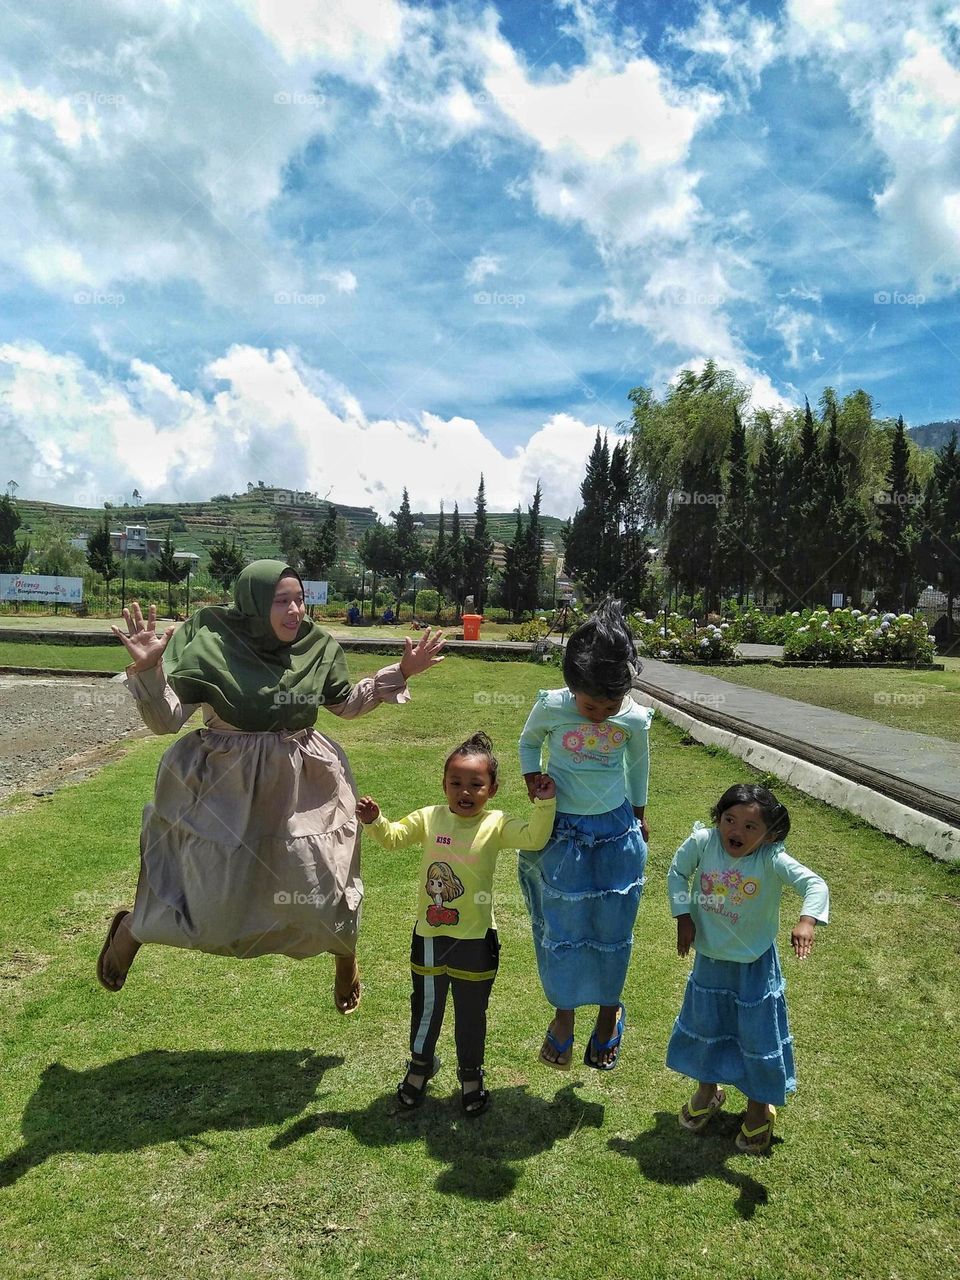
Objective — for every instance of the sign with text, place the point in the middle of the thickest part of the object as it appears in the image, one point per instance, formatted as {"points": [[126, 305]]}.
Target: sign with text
{"points": [[41, 586], [315, 592]]}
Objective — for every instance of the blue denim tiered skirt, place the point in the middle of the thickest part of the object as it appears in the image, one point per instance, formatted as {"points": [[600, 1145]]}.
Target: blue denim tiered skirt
{"points": [[582, 892], [732, 1028]]}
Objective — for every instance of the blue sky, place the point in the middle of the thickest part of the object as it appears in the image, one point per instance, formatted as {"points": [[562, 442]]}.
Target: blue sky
{"points": [[358, 244]]}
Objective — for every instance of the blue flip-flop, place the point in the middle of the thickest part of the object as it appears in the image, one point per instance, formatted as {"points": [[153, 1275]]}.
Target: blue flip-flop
{"points": [[598, 1048], [558, 1047]]}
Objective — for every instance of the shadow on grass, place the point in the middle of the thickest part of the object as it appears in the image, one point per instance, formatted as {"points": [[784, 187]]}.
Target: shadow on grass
{"points": [[161, 1097], [479, 1151], [668, 1155]]}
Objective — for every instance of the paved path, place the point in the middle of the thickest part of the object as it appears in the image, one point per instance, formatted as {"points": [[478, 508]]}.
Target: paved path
{"points": [[916, 769]]}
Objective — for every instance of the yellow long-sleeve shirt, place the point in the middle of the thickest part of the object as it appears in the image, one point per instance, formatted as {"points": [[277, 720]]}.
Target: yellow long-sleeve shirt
{"points": [[459, 860]]}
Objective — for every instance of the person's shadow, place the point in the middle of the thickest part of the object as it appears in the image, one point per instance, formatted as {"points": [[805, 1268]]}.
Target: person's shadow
{"points": [[669, 1155], [161, 1096], [479, 1151]]}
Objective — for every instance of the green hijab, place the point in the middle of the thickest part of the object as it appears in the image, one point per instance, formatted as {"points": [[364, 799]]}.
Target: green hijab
{"points": [[232, 659]]}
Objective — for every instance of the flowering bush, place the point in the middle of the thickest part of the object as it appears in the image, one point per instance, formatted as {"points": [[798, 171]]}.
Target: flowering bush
{"points": [[678, 639], [530, 631], [848, 635]]}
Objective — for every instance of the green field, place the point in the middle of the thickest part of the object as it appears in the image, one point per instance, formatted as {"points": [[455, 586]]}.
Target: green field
{"points": [[921, 701], [219, 1119]]}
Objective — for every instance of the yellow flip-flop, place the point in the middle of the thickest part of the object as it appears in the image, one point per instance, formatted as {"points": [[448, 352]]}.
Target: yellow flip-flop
{"points": [[697, 1118], [747, 1138]]}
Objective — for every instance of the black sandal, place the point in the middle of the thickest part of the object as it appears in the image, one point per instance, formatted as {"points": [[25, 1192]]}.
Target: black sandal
{"points": [[410, 1095], [477, 1100]]}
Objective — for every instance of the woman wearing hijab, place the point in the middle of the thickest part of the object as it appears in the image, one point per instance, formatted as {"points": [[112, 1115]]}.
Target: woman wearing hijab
{"points": [[251, 845]]}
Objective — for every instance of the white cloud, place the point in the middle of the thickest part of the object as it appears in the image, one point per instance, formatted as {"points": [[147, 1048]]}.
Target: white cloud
{"points": [[483, 265], [898, 68], [76, 435], [147, 157], [738, 43]]}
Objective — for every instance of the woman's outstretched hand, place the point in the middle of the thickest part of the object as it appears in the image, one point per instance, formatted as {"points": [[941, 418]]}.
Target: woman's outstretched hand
{"points": [[420, 657], [142, 643]]}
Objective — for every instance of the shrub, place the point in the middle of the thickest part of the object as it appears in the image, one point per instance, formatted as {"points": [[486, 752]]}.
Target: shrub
{"points": [[677, 639], [848, 635]]}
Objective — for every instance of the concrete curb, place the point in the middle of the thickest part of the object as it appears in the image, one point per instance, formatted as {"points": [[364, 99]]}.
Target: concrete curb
{"points": [[886, 814]]}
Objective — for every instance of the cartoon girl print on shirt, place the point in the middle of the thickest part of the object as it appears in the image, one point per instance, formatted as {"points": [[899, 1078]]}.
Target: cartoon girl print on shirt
{"points": [[594, 743], [443, 885]]}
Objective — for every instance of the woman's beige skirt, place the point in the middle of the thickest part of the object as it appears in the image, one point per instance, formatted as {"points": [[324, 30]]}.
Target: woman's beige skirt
{"points": [[251, 846]]}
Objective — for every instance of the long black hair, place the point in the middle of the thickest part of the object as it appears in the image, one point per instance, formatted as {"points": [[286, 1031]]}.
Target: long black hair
{"points": [[774, 814], [601, 657], [477, 745]]}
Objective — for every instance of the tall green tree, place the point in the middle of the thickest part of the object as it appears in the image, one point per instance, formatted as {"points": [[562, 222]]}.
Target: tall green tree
{"points": [[512, 581], [477, 552], [169, 569], [457, 554], [407, 550], [734, 525], [532, 579], [438, 566], [377, 553], [226, 562], [322, 550], [941, 530], [100, 555], [289, 538], [805, 566], [13, 554], [895, 548], [691, 540], [585, 542], [769, 501]]}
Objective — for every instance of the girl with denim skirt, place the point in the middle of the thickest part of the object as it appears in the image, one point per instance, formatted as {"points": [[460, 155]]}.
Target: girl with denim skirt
{"points": [[725, 885], [583, 890]]}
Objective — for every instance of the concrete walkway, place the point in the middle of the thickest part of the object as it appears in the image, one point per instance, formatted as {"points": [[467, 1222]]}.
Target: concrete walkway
{"points": [[915, 771]]}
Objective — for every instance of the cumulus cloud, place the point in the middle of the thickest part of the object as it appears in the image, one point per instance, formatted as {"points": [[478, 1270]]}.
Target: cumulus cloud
{"points": [[81, 436]]}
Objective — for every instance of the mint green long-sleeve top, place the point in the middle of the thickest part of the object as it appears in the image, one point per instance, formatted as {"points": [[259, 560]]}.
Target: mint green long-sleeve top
{"points": [[595, 766], [735, 902]]}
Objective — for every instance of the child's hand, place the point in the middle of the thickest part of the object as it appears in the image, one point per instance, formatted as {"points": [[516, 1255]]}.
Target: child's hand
{"points": [[367, 810], [533, 782], [545, 789], [686, 932], [802, 936]]}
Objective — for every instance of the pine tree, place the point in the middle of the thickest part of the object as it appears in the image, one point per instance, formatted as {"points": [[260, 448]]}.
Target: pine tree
{"points": [[376, 552], [13, 554], [941, 533], [226, 562], [532, 556], [477, 552], [734, 533], [169, 569], [585, 542], [437, 564], [512, 582], [768, 504], [100, 555], [321, 552], [805, 514], [845, 527], [894, 557], [458, 560]]}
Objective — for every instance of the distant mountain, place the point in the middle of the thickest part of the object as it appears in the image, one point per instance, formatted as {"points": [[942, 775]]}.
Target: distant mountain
{"points": [[934, 435]]}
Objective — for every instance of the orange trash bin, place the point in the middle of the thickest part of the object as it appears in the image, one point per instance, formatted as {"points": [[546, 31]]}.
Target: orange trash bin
{"points": [[471, 626]]}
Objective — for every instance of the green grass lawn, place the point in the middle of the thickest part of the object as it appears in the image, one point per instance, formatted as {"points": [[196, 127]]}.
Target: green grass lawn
{"points": [[219, 1119], [921, 701]]}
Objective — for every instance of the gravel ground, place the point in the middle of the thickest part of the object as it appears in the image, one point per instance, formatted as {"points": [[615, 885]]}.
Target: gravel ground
{"points": [[52, 729]]}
